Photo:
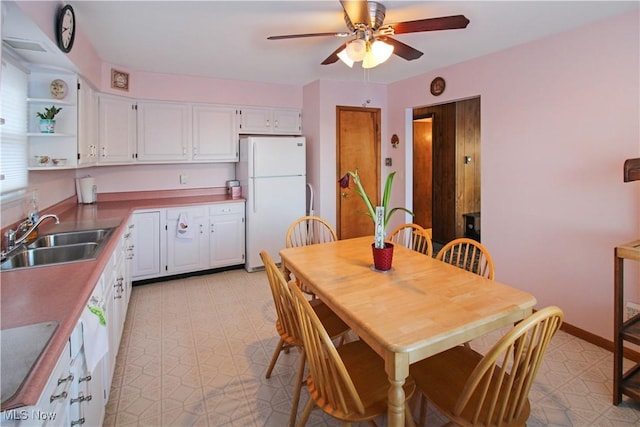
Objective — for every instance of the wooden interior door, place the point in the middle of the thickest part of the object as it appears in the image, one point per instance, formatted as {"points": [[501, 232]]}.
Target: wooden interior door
{"points": [[453, 148], [358, 147], [422, 171]]}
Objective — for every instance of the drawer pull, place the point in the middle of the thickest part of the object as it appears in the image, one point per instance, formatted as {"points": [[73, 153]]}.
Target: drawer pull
{"points": [[62, 395], [77, 422], [81, 398], [64, 380], [87, 378]]}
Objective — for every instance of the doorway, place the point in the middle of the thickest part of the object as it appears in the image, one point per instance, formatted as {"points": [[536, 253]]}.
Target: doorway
{"points": [[358, 148], [446, 169]]}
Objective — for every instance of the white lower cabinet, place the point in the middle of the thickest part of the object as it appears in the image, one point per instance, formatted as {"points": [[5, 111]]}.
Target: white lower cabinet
{"points": [[87, 396], [226, 224], [146, 241], [187, 239], [212, 236]]}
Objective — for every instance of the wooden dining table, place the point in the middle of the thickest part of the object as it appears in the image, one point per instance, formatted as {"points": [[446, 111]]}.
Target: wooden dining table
{"points": [[419, 308]]}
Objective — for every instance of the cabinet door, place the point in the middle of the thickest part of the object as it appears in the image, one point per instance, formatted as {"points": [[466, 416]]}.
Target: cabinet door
{"points": [[117, 129], [227, 234], [187, 251], [215, 136], [255, 120], [287, 121], [146, 245], [164, 132], [87, 124]]}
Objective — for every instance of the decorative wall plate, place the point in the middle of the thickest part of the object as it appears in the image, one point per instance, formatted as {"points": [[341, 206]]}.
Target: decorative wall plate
{"points": [[437, 86], [58, 89]]}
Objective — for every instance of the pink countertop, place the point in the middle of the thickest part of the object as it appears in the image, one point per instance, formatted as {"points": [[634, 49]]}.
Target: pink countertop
{"points": [[60, 292]]}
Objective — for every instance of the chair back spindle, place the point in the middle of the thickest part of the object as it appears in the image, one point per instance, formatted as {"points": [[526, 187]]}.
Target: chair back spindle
{"points": [[469, 255], [414, 237]]}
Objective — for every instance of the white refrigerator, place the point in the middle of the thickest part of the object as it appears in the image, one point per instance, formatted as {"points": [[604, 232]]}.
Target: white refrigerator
{"points": [[272, 175]]}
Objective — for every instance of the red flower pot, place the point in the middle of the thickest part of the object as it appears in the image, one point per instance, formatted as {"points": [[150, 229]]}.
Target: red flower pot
{"points": [[382, 257]]}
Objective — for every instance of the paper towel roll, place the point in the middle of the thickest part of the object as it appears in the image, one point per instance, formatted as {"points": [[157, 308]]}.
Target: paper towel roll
{"points": [[87, 189]]}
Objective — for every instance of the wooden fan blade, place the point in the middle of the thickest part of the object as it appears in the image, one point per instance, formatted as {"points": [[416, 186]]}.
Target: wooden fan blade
{"points": [[430, 24], [297, 36], [357, 11], [334, 56], [402, 50]]}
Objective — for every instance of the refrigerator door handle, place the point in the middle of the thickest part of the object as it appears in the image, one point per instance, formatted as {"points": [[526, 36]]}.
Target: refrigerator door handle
{"points": [[253, 183], [255, 160]]}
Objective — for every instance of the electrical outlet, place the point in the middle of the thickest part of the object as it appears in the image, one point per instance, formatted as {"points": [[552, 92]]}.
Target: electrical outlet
{"points": [[632, 309], [184, 178]]}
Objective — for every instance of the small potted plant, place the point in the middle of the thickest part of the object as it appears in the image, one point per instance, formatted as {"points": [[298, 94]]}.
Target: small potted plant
{"points": [[380, 215], [47, 122]]}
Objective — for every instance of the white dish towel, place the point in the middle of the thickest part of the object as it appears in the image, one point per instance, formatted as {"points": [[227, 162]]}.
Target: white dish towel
{"points": [[94, 332], [183, 230]]}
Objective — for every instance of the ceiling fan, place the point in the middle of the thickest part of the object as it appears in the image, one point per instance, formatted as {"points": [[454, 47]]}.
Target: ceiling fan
{"points": [[371, 41]]}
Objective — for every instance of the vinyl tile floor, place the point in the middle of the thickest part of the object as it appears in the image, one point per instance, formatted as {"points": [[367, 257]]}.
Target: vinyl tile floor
{"points": [[195, 350]]}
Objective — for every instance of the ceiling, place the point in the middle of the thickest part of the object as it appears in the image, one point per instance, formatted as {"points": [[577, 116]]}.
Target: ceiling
{"points": [[228, 39]]}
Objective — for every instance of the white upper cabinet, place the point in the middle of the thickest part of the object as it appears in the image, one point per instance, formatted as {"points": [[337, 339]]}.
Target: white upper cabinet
{"points": [[265, 120], [164, 132], [117, 129], [87, 124], [287, 121], [215, 137]]}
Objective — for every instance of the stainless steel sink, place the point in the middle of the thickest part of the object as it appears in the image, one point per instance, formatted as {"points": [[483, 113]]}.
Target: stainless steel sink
{"points": [[58, 248], [52, 255], [70, 238]]}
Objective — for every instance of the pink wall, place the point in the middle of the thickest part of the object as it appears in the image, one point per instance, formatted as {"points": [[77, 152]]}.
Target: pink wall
{"points": [[559, 117], [321, 98]]}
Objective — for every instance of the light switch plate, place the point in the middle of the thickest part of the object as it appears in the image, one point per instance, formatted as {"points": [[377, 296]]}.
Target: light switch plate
{"points": [[183, 179]]}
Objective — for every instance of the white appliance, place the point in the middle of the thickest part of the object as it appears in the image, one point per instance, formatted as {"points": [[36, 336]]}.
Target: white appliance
{"points": [[272, 175], [87, 190]]}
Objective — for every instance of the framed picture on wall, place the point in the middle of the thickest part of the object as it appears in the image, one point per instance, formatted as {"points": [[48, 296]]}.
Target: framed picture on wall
{"points": [[119, 80]]}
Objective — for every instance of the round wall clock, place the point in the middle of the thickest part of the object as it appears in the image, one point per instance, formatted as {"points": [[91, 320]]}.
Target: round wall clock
{"points": [[66, 28], [437, 86]]}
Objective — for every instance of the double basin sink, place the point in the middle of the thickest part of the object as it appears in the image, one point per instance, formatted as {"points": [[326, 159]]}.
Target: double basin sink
{"points": [[57, 248]]}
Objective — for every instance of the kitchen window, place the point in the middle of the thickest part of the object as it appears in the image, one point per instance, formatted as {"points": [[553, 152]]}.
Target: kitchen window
{"points": [[13, 131]]}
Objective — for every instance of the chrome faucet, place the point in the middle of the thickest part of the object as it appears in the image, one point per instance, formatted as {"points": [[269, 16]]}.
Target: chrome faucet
{"points": [[12, 242]]}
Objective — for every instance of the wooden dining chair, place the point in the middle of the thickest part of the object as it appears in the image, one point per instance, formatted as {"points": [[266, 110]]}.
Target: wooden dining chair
{"points": [[349, 382], [309, 230], [412, 236], [468, 254], [288, 328], [490, 390]]}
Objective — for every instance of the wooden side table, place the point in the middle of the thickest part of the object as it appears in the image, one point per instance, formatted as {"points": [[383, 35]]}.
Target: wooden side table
{"points": [[628, 382]]}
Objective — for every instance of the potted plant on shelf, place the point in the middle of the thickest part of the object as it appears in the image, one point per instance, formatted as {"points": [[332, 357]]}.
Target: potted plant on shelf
{"points": [[47, 122], [380, 215]]}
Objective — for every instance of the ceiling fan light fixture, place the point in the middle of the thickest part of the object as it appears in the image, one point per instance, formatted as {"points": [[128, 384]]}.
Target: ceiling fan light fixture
{"points": [[344, 57], [369, 61], [381, 50], [356, 50]]}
